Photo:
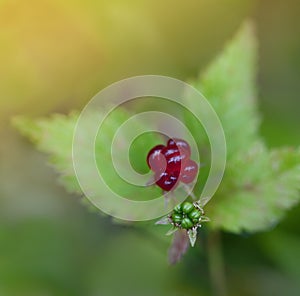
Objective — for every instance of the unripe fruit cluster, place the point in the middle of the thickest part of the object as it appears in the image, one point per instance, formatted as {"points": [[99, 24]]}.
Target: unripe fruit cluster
{"points": [[186, 215], [172, 163]]}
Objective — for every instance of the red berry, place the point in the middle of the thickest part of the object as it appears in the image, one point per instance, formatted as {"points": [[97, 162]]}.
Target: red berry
{"points": [[167, 181], [182, 145], [156, 159], [172, 164], [189, 172], [174, 158]]}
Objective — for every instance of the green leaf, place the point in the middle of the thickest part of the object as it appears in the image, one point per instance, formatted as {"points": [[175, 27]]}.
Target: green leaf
{"points": [[229, 85], [257, 190], [259, 185], [54, 136]]}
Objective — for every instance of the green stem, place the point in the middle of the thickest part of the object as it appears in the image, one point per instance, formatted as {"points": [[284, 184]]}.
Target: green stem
{"points": [[216, 264]]}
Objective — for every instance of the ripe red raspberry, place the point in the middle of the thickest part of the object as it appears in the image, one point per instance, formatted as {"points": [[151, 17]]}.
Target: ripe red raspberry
{"points": [[181, 145], [156, 159], [172, 164], [175, 158], [189, 172], [167, 181]]}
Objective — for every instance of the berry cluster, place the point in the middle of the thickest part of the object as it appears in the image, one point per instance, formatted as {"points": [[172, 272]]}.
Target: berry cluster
{"points": [[172, 163], [186, 215]]}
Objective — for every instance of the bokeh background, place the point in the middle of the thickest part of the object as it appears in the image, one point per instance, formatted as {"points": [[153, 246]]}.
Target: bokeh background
{"points": [[54, 56]]}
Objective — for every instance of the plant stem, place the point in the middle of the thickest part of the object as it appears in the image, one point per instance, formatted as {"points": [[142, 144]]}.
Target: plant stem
{"points": [[216, 264]]}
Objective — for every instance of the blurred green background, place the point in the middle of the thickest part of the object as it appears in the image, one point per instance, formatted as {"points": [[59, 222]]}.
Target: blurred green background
{"points": [[54, 56]]}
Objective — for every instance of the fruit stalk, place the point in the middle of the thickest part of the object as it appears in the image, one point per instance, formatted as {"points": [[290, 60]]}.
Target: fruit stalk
{"points": [[216, 264]]}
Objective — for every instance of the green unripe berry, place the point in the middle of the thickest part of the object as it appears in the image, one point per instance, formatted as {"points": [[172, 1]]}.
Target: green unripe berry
{"points": [[194, 215], [187, 207], [176, 218], [178, 209], [195, 221], [186, 223]]}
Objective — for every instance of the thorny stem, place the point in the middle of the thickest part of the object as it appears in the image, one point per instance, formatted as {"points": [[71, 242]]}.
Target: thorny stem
{"points": [[216, 264]]}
